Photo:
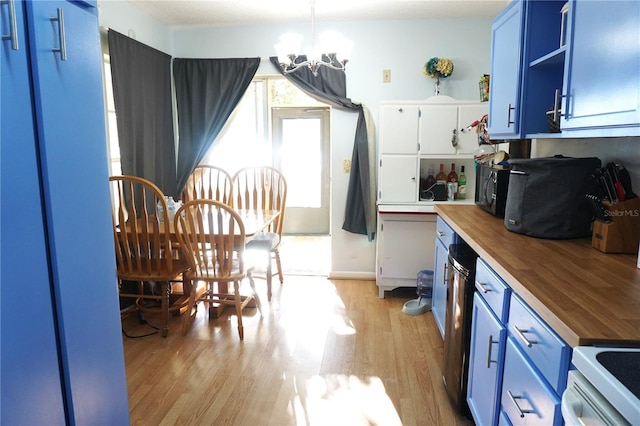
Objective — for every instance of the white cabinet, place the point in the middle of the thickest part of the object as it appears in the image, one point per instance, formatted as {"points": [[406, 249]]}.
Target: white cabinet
{"points": [[399, 129], [414, 137], [443, 129], [417, 135], [398, 179], [405, 246]]}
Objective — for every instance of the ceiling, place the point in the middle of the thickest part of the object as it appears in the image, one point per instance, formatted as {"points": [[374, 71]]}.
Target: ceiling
{"points": [[200, 13]]}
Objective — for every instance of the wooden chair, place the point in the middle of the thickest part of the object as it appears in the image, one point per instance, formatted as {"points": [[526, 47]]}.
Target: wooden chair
{"points": [[212, 238], [209, 183], [144, 251], [263, 188]]}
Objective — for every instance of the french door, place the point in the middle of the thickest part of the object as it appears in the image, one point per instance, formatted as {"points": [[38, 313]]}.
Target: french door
{"points": [[300, 149]]}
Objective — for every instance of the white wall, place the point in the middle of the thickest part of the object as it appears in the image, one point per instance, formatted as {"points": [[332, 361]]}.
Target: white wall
{"points": [[122, 17], [625, 151], [401, 46]]}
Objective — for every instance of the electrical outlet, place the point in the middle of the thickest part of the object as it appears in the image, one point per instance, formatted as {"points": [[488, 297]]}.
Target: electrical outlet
{"points": [[346, 165], [386, 76]]}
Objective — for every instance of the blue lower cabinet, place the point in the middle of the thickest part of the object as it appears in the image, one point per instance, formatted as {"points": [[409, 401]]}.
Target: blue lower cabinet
{"points": [[488, 337], [527, 398]]}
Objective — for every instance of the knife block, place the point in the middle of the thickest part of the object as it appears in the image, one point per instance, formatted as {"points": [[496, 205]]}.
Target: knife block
{"points": [[622, 234]]}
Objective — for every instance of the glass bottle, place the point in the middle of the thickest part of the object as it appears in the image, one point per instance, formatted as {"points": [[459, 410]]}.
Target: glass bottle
{"points": [[431, 180], [462, 184], [452, 177], [441, 176]]}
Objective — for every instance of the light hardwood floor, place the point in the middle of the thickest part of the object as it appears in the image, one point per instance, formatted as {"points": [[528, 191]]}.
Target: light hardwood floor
{"points": [[323, 352]]}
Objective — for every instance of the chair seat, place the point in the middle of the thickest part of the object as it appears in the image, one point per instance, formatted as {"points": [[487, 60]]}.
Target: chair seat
{"points": [[264, 241]]}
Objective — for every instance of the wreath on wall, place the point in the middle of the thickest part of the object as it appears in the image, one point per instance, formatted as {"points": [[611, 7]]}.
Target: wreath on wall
{"points": [[438, 68]]}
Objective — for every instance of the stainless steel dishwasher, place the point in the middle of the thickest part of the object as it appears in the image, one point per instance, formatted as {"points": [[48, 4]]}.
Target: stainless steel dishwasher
{"points": [[457, 330]]}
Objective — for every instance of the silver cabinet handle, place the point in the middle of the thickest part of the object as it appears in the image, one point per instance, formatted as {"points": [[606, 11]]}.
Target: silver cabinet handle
{"points": [[454, 138], [491, 342], [483, 287], [441, 234], [520, 334], [521, 412], [509, 109], [445, 278], [13, 27], [61, 37]]}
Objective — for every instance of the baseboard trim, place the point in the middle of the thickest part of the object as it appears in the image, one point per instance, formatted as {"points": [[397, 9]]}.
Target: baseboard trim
{"points": [[351, 275]]}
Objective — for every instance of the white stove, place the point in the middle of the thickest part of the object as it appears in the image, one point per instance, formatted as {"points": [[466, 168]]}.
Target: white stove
{"points": [[604, 388]]}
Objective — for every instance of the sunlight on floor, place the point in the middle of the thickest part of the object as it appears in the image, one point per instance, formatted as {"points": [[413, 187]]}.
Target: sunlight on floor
{"points": [[339, 399]]}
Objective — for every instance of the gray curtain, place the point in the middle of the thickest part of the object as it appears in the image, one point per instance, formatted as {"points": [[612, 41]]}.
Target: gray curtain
{"points": [[207, 91], [330, 86], [142, 94]]}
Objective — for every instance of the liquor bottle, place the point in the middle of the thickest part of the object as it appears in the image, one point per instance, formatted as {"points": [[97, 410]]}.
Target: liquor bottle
{"points": [[431, 180], [441, 176], [453, 179], [462, 184]]}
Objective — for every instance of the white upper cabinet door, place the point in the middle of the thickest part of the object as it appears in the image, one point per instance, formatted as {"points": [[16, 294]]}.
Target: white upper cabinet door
{"points": [[467, 114], [438, 129], [399, 129]]}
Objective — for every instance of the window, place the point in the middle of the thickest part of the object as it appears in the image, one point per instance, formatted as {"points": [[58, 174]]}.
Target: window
{"points": [[246, 139]]}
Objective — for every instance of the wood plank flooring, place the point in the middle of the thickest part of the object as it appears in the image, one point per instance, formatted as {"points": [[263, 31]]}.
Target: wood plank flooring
{"points": [[323, 352]]}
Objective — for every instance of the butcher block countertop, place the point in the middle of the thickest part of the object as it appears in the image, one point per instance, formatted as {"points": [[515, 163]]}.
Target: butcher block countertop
{"points": [[586, 296]]}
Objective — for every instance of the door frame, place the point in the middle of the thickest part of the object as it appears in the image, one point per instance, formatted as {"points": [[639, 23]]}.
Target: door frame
{"points": [[299, 220]]}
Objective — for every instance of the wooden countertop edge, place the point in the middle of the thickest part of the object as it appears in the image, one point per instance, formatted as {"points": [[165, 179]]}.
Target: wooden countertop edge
{"points": [[567, 333]]}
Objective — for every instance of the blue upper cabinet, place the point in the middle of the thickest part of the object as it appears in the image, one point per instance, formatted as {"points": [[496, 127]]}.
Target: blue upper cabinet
{"points": [[602, 74], [506, 49], [557, 75]]}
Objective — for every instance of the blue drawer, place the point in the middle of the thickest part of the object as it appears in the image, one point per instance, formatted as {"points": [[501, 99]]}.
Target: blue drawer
{"points": [[526, 398], [445, 233], [493, 290], [546, 350]]}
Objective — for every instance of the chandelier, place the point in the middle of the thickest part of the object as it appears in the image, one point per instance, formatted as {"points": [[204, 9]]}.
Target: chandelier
{"points": [[338, 50]]}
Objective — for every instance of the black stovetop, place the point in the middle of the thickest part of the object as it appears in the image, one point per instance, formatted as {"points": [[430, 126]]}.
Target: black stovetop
{"points": [[624, 366]]}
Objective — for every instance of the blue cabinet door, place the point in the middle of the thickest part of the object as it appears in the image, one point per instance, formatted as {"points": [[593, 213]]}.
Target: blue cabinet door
{"points": [[31, 385], [603, 68], [69, 109], [486, 358], [439, 293], [506, 67], [526, 398]]}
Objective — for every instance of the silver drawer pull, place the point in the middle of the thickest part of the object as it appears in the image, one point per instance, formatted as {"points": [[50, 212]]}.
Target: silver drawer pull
{"points": [[13, 31], [441, 234], [521, 412], [483, 287], [491, 342], [520, 334]]}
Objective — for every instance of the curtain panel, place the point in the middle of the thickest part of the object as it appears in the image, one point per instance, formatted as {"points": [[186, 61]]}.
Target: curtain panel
{"points": [[142, 95], [207, 91], [330, 86]]}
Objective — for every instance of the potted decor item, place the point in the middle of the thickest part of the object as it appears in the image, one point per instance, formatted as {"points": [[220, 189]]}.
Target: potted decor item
{"points": [[438, 68]]}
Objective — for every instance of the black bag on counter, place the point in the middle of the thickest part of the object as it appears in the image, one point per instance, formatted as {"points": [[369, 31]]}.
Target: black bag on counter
{"points": [[547, 197]]}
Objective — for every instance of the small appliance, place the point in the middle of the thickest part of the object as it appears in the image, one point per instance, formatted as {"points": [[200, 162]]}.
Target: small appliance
{"points": [[491, 188]]}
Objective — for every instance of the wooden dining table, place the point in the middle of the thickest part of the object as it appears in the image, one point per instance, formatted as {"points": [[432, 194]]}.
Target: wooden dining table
{"points": [[254, 221]]}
